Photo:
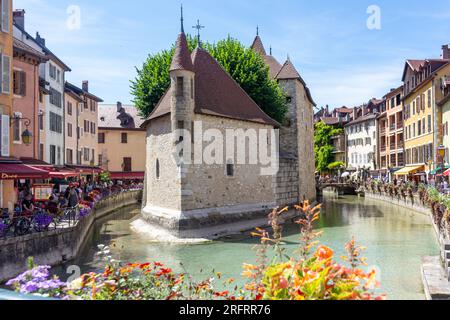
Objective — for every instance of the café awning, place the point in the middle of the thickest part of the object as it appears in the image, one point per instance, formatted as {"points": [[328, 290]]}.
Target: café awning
{"points": [[127, 175], [439, 170], [409, 170], [447, 173], [85, 169], [16, 171]]}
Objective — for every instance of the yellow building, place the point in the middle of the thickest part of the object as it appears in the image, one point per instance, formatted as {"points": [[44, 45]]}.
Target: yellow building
{"points": [[423, 117], [7, 194], [444, 103], [121, 142]]}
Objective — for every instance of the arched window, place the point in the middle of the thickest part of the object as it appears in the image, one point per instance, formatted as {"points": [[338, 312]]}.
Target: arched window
{"points": [[157, 169]]}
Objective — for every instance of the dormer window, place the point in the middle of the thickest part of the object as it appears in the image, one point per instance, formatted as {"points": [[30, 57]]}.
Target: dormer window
{"points": [[180, 86]]}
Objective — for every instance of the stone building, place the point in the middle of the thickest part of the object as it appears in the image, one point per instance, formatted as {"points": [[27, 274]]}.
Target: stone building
{"points": [[295, 183], [202, 105]]}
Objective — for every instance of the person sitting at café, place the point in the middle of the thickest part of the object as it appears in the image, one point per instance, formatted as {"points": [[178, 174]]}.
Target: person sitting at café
{"points": [[62, 202], [27, 204], [52, 206]]}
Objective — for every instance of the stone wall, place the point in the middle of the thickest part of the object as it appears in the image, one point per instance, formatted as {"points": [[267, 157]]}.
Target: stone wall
{"points": [[286, 182], [300, 134], [56, 246]]}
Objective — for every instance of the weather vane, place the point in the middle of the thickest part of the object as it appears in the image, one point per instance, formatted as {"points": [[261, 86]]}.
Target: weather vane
{"points": [[198, 27]]}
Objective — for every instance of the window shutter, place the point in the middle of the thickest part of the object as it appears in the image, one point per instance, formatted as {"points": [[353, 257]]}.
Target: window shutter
{"points": [[4, 132], [6, 74], [23, 84], [5, 16]]}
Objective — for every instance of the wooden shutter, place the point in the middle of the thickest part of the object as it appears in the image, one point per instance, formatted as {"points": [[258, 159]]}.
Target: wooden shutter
{"points": [[6, 74], [5, 16], [4, 133], [23, 84]]}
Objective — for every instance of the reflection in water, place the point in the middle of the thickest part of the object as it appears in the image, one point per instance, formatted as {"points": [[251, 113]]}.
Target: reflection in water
{"points": [[396, 239]]}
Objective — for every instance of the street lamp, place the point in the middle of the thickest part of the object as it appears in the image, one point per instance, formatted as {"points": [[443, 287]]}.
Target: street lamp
{"points": [[27, 136]]}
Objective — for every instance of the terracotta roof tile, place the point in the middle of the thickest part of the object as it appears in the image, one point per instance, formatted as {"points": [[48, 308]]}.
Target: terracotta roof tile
{"points": [[182, 58]]}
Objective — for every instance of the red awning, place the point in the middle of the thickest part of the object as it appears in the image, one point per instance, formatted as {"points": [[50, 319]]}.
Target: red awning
{"points": [[15, 171], [447, 173], [85, 170], [127, 175], [63, 174]]}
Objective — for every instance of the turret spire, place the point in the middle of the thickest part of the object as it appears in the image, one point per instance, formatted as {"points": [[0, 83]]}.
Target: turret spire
{"points": [[182, 20], [257, 30]]}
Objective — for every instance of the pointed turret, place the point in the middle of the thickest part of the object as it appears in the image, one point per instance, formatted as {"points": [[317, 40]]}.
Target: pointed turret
{"points": [[258, 46], [182, 57]]}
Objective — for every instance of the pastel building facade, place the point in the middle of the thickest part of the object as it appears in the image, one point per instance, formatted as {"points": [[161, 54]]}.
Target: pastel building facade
{"points": [[121, 142], [423, 118]]}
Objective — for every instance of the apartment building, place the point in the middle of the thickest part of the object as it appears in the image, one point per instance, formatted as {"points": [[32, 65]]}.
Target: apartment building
{"points": [[423, 118]]}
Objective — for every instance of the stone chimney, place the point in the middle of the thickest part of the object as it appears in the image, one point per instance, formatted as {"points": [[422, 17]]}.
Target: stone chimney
{"points": [[19, 18], [445, 52], [40, 40], [355, 113], [85, 86]]}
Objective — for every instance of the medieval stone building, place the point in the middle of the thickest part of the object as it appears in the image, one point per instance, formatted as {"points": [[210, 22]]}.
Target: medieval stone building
{"points": [[187, 197]]}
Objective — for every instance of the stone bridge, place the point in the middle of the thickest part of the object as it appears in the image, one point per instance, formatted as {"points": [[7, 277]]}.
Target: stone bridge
{"points": [[340, 188]]}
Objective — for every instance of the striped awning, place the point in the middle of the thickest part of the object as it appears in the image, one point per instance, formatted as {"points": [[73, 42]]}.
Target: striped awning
{"points": [[409, 170]]}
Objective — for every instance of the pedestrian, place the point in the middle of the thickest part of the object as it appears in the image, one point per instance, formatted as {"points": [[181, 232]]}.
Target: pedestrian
{"points": [[74, 198]]}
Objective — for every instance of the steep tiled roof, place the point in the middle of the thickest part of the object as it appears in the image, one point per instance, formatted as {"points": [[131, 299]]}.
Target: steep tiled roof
{"points": [[363, 119], [216, 94], [258, 46], [288, 72], [107, 116], [274, 65], [181, 58]]}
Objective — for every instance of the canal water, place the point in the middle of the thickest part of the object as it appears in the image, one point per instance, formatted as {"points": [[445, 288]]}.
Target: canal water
{"points": [[395, 238]]}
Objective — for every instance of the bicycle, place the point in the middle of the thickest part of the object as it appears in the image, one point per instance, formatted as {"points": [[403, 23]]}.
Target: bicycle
{"points": [[71, 214]]}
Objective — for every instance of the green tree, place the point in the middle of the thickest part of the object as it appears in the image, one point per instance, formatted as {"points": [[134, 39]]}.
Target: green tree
{"points": [[244, 65], [323, 146]]}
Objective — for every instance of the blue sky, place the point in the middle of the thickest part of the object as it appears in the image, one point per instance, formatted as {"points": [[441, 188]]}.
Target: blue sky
{"points": [[342, 61]]}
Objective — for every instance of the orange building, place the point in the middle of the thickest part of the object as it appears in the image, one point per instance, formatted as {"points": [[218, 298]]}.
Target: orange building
{"points": [[390, 130]]}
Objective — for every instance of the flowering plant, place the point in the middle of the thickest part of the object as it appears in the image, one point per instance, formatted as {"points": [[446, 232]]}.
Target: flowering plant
{"points": [[313, 274], [37, 281], [3, 229], [43, 220]]}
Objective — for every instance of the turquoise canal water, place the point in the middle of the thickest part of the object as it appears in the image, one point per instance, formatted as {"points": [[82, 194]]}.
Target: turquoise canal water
{"points": [[395, 238]]}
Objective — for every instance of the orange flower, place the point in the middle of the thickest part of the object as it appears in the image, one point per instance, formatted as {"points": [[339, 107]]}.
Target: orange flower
{"points": [[221, 294], [324, 253], [163, 271]]}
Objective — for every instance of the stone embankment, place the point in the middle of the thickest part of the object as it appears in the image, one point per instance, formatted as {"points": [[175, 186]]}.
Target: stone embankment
{"points": [[54, 247]]}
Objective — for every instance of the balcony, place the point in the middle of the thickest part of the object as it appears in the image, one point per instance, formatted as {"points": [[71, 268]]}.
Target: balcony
{"points": [[382, 131], [393, 127]]}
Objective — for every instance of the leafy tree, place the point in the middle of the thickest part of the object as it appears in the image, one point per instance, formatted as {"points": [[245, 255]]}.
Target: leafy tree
{"points": [[323, 146], [244, 65], [336, 165]]}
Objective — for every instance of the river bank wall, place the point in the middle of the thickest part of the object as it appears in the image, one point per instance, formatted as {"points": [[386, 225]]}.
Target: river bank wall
{"points": [[54, 247]]}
